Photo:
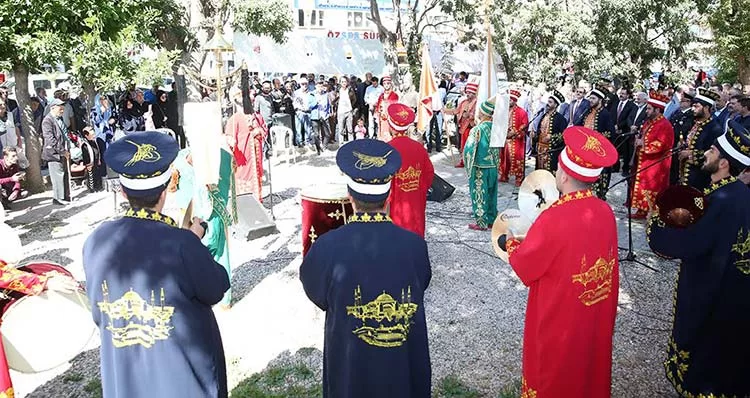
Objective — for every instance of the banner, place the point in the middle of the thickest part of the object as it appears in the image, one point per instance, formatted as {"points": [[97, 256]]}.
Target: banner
{"points": [[427, 91]]}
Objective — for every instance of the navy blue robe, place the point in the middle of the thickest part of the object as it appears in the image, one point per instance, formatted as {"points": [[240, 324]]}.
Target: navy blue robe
{"points": [[604, 124], [700, 143], [709, 348], [369, 276], [151, 286]]}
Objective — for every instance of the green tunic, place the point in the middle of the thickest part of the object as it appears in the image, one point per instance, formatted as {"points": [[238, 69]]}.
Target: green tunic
{"points": [[481, 164]]}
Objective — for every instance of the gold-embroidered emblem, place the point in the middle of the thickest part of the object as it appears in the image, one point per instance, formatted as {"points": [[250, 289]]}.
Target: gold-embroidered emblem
{"points": [[596, 280], [742, 248], [143, 153], [526, 391], [403, 114], [592, 144], [408, 180], [699, 202], [9, 393], [365, 162], [385, 322], [133, 321], [677, 363], [312, 234], [337, 214]]}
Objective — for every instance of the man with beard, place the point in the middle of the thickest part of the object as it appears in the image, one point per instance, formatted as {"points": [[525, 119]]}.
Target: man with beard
{"points": [[550, 134], [482, 162], [682, 122], [264, 103], [656, 143], [513, 156], [704, 132], [466, 119], [708, 350], [385, 99], [598, 119]]}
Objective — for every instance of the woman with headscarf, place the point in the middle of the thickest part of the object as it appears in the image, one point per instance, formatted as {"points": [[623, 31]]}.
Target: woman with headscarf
{"points": [[159, 110], [131, 117]]}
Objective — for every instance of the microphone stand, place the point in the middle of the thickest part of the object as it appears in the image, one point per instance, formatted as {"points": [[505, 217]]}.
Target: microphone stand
{"points": [[630, 256]]}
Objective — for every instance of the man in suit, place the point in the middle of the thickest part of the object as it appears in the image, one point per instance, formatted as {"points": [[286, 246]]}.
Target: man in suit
{"points": [[721, 114], [682, 122], [624, 112], [55, 152], [639, 117], [578, 106]]}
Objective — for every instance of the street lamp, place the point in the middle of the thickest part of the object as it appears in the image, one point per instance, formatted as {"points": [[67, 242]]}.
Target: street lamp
{"points": [[218, 45]]}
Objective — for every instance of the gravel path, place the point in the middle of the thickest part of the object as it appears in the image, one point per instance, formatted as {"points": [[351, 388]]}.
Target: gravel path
{"points": [[475, 304]]}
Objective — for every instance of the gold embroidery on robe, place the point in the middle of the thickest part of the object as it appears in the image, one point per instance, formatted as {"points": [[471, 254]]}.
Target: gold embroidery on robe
{"points": [[596, 280], [393, 319], [408, 180], [526, 391], [742, 248], [133, 321]]}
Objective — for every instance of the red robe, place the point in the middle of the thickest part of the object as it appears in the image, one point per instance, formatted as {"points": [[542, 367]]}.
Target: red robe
{"points": [[570, 314], [658, 138], [381, 112], [466, 119], [248, 131], [513, 156], [408, 199], [22, 282]]}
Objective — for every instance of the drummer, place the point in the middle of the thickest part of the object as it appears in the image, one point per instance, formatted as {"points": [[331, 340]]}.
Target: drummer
{"points": [[569, 261], [369, 276], [152, 285], [23, 282], [712, 295], [408, 199]]}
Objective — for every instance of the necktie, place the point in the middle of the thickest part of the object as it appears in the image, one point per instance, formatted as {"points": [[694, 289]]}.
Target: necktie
{"points": [[619, 109]]}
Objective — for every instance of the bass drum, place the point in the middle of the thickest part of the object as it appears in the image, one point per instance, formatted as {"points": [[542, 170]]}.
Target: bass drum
{"points": [[45, 331], [324, 207]]}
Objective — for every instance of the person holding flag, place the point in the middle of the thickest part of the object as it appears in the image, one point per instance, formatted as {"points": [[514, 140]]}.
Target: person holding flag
{"points": [[481, 162], [465, 113]]}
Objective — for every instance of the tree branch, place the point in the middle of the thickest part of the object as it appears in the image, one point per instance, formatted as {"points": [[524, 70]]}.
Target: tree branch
{"points": [[435, 25]]}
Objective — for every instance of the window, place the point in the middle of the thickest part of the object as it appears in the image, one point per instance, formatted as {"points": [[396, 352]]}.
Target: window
{"points": [[301, 18], [357, 20], [309, 18]]}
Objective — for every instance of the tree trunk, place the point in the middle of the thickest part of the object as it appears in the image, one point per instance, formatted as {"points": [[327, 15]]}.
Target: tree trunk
{"points": [[34, 182], [507, 64], [90, 91], [743, 71]]}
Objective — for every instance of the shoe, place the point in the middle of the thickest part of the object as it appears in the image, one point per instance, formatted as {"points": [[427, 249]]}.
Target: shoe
{"points": [[13, 196], [476, 227], [60, 202]]}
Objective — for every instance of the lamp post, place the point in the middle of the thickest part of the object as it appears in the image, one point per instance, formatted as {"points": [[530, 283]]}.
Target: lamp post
{"points": [[218, 45]]}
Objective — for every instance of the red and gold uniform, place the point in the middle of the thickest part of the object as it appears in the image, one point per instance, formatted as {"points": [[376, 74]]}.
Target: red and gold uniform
{"points": [[570, 315], [22, 282], [465, 113], [408, 198], [381, 110], [658, 139], [513, 156]]}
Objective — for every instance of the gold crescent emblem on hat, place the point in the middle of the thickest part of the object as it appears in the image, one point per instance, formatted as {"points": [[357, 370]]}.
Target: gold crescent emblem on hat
{"points": [[592, 144], [143, 153], [365, 162], [403, 113]]}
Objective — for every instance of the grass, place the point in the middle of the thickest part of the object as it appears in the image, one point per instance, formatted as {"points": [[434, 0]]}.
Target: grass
{"points": [[288, 381], [452, 387], [94, 387]]}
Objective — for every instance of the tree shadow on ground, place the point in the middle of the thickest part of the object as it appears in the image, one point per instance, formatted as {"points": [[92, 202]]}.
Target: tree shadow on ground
{"points": [[251, 273]]}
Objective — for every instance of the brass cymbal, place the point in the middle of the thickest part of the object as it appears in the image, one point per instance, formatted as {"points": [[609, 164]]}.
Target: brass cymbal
{"points": [[509, 220], [538, 191]]}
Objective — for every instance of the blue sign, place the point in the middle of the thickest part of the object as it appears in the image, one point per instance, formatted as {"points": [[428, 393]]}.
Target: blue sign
{"points": [[351, 5]]}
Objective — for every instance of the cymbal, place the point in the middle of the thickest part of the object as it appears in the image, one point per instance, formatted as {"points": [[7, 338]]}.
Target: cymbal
{"points": [[538, 191], [509, 220]]}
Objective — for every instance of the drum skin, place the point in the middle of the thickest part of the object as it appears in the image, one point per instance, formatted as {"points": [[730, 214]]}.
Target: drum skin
{"points": [[323, 210], [45, 331]]}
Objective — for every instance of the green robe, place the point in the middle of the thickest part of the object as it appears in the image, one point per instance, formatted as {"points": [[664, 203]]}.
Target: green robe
{"points": [[481, 163], [212, 206]]}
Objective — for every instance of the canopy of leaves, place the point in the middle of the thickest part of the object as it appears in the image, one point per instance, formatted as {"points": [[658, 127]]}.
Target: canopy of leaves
{"points": [[730, 22], [271, 18]]}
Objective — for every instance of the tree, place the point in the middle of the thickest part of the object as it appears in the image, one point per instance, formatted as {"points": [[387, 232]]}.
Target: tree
{"points": [[636, 34], [38, 33], [730, 22], [412, 20]]}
